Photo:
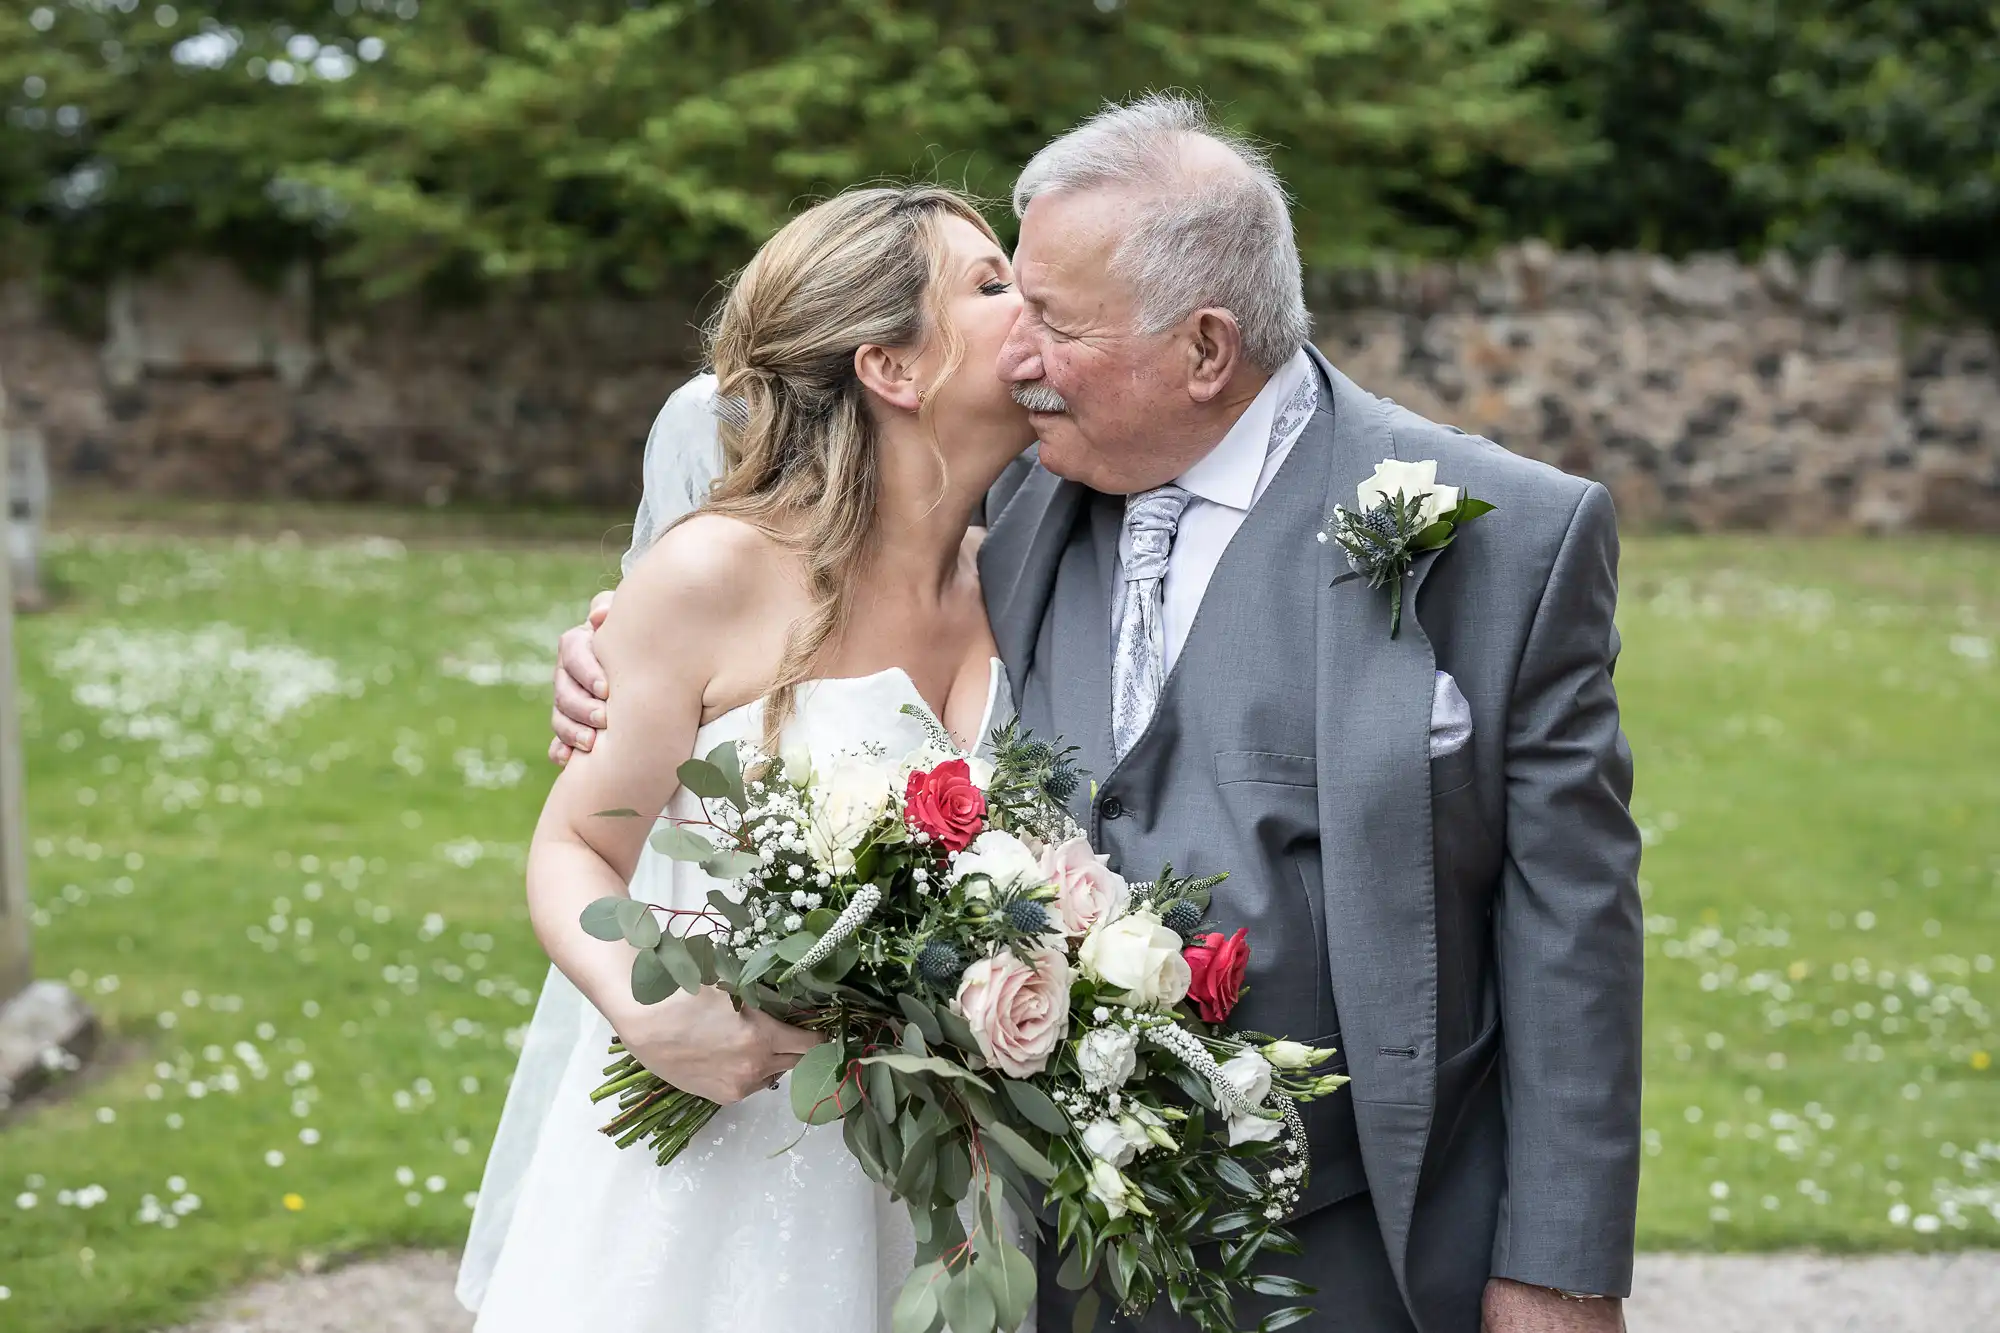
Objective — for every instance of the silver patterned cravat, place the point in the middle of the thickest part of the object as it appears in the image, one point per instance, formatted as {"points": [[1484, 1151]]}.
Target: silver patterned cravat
{"points": [[1138, 657]]}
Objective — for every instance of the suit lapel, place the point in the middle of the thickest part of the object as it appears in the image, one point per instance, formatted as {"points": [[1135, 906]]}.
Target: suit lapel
{"points": [[1018, 563], [1375, 826]]}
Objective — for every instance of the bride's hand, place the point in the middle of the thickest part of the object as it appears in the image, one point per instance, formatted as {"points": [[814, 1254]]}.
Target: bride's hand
{"points": [[700, 1043], [580, 686]]}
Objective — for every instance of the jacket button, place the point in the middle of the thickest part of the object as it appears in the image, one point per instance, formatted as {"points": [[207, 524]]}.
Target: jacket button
{"points": [[1112, 808]]}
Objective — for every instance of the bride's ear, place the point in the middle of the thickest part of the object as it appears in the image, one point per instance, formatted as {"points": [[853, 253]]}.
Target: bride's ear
{"points": [[890, 374]]}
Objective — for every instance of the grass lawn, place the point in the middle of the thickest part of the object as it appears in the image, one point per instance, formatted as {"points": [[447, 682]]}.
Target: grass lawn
{"points": [[280, 791]]}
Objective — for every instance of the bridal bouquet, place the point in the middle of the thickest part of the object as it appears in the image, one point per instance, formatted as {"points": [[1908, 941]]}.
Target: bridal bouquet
{"points": [[1003, 1015]]}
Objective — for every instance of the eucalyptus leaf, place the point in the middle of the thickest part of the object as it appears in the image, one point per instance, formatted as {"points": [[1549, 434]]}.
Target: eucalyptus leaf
{"points": [[917, 1303], [705, 780], [1023, 1153], [1010, 1276], [725, 760], [600, 919], [860, 1134], [701, 948], [735, 913], [967, 1302], [880, 1085], [956, 1030], [729, 865], [1087, 1306], [1035, 1104], [919, 1165], [622, 812], [920, 1014], [916, 1064], [916, 1307], [681, 844], [680, 964], [641, 927], [954, 1168], [761, 960], [796, 945], [912, 1041], [819, 1096], [651, 982]]}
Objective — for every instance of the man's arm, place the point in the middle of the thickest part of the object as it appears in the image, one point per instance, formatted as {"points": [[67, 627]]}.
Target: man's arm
{"points": [[1569, 942]]}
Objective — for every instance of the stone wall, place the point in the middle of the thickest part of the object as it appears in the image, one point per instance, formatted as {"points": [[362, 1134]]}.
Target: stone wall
{"points": [[1707, 394]]}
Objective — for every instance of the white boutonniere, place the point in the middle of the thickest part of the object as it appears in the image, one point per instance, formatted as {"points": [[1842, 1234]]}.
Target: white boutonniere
{"points": [[1403, 511]]}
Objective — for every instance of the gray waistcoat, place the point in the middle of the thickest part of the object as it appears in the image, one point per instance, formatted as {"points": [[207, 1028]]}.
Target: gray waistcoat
{"points": [[1224, 778]]}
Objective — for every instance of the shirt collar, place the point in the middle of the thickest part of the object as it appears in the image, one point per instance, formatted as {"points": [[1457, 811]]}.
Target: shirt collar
{"points": [[1228, 473]]}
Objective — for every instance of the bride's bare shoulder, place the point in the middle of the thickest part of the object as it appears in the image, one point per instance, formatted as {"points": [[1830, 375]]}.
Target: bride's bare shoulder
{"points": [[710, 572]]}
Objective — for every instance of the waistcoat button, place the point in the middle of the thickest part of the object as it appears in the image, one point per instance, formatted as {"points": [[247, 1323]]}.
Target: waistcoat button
{"points": [[1112, 808]]}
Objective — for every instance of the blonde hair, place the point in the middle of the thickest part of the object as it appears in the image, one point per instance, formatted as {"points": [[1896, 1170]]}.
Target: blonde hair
{"points": [[801, 461]]}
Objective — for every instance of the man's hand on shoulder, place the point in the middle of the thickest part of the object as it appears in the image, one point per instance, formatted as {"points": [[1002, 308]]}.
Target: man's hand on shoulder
{"points": [[1516, 1307]]}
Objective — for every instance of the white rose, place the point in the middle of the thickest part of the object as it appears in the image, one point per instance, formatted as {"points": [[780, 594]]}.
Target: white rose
{"points": [[1250, 1074], [846, 802], [1139, 956], [1409, 480], [999, 856], [1107, 1141], [1088, 891], [1109, 1187], [797, 759], [1106, 1057]]}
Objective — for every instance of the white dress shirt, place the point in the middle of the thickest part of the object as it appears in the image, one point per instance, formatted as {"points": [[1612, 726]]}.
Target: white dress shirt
{"points": [[1222, 487]]}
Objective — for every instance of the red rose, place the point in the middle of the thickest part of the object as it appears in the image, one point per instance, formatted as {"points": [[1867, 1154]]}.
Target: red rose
{"points": [[1217, 965], [947, 804]]}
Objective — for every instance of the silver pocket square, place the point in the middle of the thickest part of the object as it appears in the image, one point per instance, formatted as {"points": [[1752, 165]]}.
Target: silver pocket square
{"points": [[1451, 717]]}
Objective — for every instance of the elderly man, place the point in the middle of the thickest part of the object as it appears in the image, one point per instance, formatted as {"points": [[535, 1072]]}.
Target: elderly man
{"points": [[1427, 830]]}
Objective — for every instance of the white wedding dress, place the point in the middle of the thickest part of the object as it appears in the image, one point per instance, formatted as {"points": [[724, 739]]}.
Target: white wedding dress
{"points": [[761, 1225]]}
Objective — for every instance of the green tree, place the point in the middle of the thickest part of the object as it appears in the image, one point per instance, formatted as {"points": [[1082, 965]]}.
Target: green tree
{"points": [[1741, 124], [626, 145]]}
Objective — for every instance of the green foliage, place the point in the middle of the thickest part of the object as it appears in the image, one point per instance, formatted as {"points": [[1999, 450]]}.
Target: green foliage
{"points": [[619, 146], [640, 146], [1740, 124]]}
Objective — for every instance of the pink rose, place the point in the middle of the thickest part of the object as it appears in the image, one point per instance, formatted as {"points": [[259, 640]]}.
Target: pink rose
{"points": [[1088, 891], [1017, 1013]]}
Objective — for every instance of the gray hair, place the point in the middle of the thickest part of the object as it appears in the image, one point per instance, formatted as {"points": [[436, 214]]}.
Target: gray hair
{"points": [[1211, 237]]}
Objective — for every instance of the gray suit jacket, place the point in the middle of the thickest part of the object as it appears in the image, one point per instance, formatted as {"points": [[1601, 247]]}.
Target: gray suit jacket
{"points": [[1482, 923]]}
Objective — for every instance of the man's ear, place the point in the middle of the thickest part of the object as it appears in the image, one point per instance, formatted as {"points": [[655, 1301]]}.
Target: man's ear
{"points": [[1215, 352], [889, 374]]}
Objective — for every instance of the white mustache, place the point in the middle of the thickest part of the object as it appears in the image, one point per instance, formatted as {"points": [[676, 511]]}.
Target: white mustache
{"points": [[1039, 397]]}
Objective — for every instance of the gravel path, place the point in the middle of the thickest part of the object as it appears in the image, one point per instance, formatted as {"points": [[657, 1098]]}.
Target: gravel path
{"points": [[1898, 1293]]}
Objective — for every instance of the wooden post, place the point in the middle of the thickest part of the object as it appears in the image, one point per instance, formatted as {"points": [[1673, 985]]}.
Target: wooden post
{"points": [[44, 1027], [14, 951]]}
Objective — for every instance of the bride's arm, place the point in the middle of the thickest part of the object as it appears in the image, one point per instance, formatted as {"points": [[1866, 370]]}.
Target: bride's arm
{"points": [[675, 612]]}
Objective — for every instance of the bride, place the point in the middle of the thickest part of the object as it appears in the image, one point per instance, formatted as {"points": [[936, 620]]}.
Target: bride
{"points": [[827, 581]]}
